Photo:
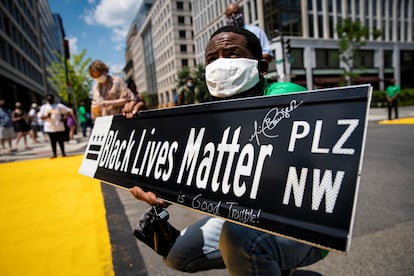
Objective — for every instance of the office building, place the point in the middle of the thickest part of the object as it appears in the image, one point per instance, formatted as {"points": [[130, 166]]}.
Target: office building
{"points": [[29, 34], [169, 35], [310, 26], [159, 47]]}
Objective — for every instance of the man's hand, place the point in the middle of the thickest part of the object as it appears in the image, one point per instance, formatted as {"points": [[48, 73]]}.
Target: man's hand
{"points": [[131, 109], [148, 197]]}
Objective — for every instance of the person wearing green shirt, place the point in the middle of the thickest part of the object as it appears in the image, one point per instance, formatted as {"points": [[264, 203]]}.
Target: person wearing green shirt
{"points": [[392, 92], [82, 118]]}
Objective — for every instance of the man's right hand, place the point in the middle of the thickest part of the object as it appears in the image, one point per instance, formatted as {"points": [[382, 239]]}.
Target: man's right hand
{"points": [[148, 197]]}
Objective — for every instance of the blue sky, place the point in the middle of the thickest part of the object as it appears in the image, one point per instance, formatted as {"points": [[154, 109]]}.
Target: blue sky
{"points": [[99, 26]]}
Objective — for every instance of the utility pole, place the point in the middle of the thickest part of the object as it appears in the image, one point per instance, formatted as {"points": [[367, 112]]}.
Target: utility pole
{"points": [[282, 58]]}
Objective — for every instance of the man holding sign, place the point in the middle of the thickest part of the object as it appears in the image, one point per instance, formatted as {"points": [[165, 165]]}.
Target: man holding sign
{"points": [[234, 63]]}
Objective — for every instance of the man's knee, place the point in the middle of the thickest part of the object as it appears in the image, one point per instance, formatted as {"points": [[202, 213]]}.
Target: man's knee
{"points": [[232, 236], [226, 237]]}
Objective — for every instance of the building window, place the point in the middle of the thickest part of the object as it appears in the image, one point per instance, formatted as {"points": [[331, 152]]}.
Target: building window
{"points": [[181, 34], [296, 58], [180, 5], [364, 58], [183, 48], [282, 17], [184, 62], [181, 20], [327, 58]]}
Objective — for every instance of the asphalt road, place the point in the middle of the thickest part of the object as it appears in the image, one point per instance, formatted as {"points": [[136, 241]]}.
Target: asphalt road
{"points": [[384, 220]]}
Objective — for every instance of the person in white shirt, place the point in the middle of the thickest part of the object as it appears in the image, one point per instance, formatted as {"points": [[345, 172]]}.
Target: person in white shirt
{"points": [[53, 115]]}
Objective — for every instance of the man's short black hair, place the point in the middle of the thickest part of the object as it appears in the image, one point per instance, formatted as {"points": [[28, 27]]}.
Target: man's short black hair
{"points": [[253, 43]]}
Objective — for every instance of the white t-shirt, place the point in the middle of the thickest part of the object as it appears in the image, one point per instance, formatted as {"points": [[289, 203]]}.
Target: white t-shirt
{"points": [[261, 35], [54, 123], [33, 114]]}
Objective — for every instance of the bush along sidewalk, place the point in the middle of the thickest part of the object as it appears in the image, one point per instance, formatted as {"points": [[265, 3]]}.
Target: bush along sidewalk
{"points": [[405, 98]]}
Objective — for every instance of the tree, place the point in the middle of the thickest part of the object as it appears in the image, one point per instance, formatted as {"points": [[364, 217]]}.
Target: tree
{"points": [[182, 75], [352, 36], [77, 78], [150, 100], [198, 76], [203, 94]]}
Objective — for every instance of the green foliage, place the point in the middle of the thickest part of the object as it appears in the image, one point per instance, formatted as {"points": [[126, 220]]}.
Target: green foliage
{"points": [[182, 75], [150, 100], [203, 94], [405, 98], [198, 76], [78, 77], [352, 36]]}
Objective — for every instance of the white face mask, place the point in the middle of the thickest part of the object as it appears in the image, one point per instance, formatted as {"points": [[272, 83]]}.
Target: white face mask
{"points": [[101, 79], [226, 77]]}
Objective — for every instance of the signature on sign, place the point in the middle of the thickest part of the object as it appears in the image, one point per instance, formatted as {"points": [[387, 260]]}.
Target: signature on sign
{"points": [[271, 120]]}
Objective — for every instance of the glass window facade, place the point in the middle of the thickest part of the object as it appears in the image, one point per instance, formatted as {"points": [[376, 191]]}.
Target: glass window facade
{"points": [[327, 58], [282, 17], [364, 58]]}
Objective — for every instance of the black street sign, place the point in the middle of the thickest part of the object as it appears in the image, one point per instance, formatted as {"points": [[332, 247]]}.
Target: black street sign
{"points": [[288, 165]]}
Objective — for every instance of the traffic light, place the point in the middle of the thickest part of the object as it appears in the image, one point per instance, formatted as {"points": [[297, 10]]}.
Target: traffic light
{"points": [[66, 48], [287, 47]]}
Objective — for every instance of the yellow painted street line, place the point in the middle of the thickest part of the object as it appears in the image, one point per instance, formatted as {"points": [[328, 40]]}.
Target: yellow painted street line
{"points": [[402, 121], [52, 220]]}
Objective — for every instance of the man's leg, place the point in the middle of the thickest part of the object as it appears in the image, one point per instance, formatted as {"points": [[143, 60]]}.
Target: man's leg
{"points": [[52, 138], [61, 141], [389, 111], [395, 102], [83, 128], [196, 249], [250, 252], [2, 144]]}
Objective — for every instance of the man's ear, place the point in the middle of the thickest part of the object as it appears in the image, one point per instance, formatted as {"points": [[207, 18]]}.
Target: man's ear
{"points": [[263, 66]]}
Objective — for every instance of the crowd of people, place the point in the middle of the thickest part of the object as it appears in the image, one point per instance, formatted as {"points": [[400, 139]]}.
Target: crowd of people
{"points": [[19, 125], [58, 123], [50, 122]]}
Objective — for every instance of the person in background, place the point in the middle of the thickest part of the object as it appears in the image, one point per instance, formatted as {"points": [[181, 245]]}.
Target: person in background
{"points": [[34, 123], [42, 124], [6, 128], [212, 243], [53, 115], [186, 93], [234, 17], [132, 108], [83, 120], [71, 122], [110, 93], [392, 92], [21, 127], [138, 98]]}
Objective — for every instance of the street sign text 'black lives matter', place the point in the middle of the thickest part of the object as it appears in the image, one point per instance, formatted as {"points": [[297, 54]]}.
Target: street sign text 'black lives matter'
{"points": [[288, 165]]}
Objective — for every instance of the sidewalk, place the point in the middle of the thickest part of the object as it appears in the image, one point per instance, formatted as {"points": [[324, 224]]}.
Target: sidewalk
{"points": [[381, 114], [43, 149]]}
